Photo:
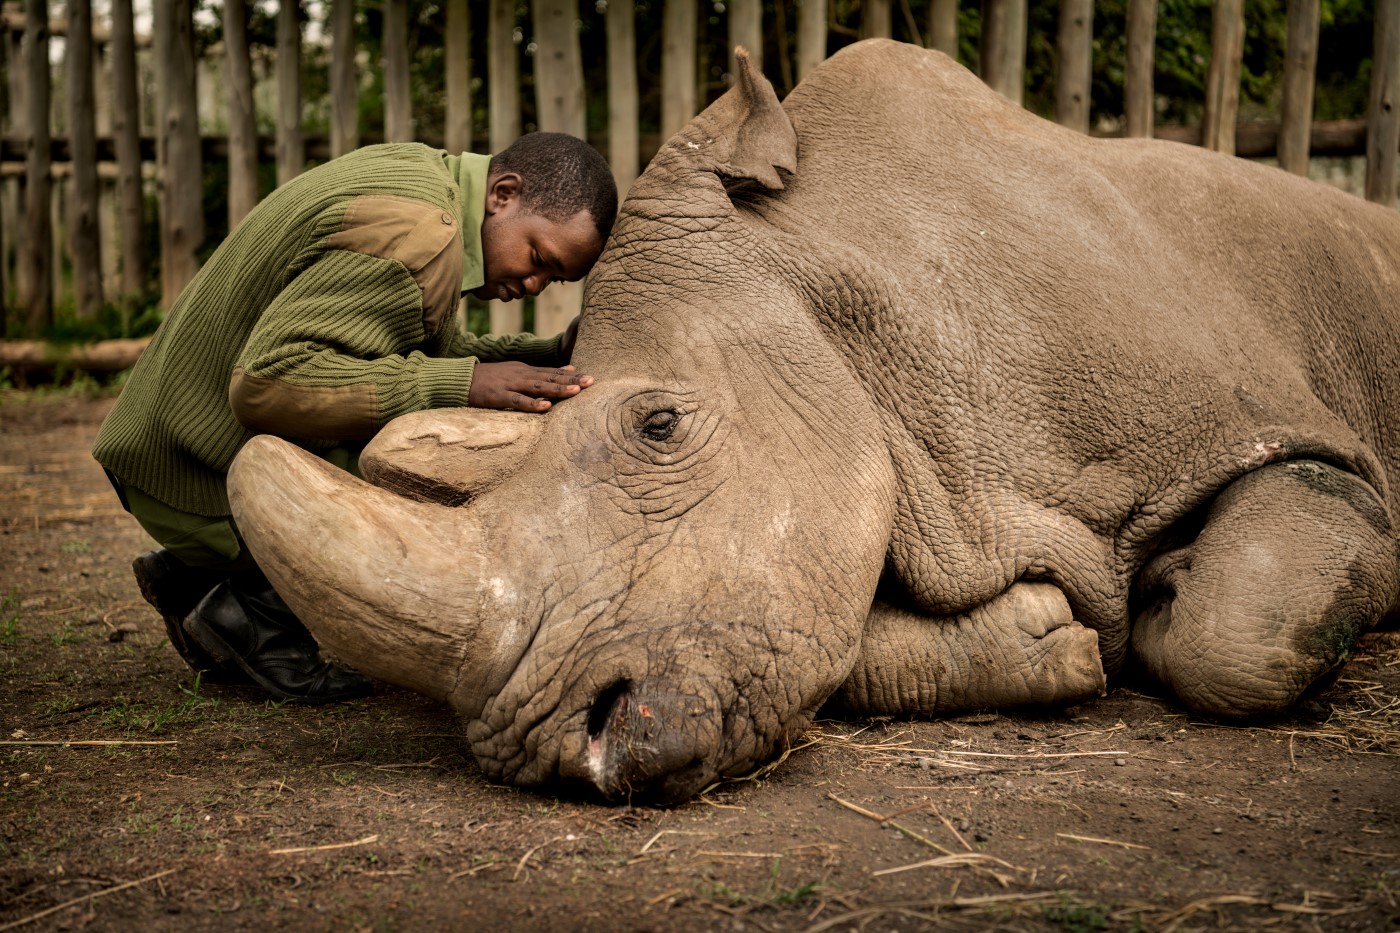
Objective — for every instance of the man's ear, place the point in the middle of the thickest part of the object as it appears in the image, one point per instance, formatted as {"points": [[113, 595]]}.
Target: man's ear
{"points": [[502, 190]]}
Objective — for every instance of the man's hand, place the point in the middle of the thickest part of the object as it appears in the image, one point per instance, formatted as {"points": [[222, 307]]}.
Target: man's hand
{"points": [[522, 387]]}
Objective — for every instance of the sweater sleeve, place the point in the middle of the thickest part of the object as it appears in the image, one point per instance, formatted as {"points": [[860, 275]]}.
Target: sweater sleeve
{"points": [[333, 356], [527, 348]]}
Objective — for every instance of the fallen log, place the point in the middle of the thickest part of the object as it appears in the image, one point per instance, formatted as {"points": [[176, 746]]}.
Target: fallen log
{"points": [[38, 357]]}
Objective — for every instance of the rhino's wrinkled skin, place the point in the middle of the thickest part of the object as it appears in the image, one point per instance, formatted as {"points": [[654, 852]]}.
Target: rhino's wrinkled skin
{"points": [[1067, 404]]}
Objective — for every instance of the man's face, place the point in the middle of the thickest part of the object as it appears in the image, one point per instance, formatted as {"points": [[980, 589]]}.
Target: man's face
{"points": [[523, 252]]}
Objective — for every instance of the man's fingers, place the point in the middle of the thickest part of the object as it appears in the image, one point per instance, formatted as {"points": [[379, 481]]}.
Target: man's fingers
{"points": [[525, 403], [553, 389], [521, 387], [567, 376]]}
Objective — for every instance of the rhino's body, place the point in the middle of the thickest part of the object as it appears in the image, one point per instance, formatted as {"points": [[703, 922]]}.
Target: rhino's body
{"points": [[1043, 391]]}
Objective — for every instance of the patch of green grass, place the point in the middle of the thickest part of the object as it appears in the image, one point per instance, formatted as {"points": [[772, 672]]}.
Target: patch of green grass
{"points": [[343, 778], [719, 891], [181, 821], [130, 716], [65, 635], [788, 897], [798, 895], [9, 619], [772, 895], [1077, 918], [76, 547], [60, 705]]}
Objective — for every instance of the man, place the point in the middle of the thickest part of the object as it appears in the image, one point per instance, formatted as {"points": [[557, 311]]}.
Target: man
{"points": [[329, 311]]}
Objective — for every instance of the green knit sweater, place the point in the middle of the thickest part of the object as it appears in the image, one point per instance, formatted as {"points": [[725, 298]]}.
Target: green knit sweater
{"points": [[329, 311]]}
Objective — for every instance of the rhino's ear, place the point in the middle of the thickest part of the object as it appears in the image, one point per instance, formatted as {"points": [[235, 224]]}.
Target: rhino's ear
{"points": [[745, 136]]}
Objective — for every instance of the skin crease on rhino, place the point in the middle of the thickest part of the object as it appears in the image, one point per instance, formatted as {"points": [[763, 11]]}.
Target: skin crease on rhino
{"points": [[905, 397]]}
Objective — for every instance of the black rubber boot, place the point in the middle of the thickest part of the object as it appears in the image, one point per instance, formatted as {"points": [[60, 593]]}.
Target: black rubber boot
{"points": [[244, 621], [174, 588]]}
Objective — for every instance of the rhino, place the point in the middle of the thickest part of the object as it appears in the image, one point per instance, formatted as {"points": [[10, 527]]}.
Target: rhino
{"points": [[907, 400]]}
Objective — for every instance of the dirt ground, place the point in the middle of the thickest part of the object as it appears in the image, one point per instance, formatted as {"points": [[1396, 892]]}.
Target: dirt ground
{"points": [[133, 799]]}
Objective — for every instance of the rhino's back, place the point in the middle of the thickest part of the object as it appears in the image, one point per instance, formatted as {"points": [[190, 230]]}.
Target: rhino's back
{"points": [[1146, 296], [1079, 342]]}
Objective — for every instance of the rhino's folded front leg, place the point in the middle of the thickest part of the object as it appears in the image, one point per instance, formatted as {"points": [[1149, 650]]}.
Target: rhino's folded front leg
{"points": [[1021, 648]]}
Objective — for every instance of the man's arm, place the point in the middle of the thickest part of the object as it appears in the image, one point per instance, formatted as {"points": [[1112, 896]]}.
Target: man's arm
{"points": [[333, 358]]}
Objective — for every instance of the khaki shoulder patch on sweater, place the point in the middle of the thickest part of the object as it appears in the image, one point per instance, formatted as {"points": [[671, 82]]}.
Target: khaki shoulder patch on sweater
{"points": [[319, 413], [422, 236]]}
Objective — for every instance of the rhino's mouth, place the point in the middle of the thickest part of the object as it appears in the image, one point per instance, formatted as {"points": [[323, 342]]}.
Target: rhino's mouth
{"points": [[640, 740], [651, 744]]}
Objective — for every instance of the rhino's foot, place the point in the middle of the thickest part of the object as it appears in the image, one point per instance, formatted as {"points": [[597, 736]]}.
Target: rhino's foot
{"points": [[1021, 648], [1294, 562]]}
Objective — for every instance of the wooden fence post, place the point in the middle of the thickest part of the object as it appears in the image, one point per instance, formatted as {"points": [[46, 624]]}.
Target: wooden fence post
{"points": [[1299, 76], [786, 70], [811, 35], [1075, 62], [345, 112], [242, 123], [13, 187], [84, 239], [746, 29], [560, 106], [1138, 110], [876, 19], [943, 26], [178, 148], [1004, 47], [398, 103], [106, 182], [623, 130], [503, 85], [1383, 114], [36, 246], [1222, 102], [678, 90], [459, 77], [291, 150], [126, 133]]}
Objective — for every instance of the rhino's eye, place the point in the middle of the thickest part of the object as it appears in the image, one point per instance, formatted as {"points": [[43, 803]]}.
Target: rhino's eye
{"points": [[659, 425]]}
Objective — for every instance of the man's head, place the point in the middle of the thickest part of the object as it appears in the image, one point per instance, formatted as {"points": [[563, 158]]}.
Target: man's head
{"points": [[550, 204]]}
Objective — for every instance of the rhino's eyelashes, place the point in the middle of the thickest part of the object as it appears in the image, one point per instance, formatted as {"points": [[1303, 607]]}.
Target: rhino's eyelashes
{"points": [[659, 425]]}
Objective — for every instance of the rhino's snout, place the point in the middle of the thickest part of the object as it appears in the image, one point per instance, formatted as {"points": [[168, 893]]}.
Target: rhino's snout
{"points": [[648, 743]]}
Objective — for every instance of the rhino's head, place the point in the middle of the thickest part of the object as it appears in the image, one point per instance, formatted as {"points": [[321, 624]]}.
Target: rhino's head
{"points": [[659, 582]]}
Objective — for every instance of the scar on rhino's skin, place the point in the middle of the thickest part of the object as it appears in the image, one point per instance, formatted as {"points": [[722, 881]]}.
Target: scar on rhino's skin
{"points": [[1330, 481]]}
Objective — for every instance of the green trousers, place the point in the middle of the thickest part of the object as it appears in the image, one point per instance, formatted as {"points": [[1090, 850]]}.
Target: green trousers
{"points": [[206, 541]]}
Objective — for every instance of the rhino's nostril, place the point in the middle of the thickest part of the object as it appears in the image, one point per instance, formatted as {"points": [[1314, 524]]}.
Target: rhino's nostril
{"points": [[603, 706]]}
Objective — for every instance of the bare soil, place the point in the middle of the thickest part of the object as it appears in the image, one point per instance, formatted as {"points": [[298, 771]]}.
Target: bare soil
{"points": [[132, 798]]}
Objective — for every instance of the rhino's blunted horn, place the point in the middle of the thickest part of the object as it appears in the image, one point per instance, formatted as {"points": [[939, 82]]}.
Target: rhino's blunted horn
{"points": [[449, 455], [405, 609]]}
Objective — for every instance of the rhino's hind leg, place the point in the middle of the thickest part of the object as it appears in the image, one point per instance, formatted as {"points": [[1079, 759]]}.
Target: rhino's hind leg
{"points": [[1294, 561], [1021, 648]]}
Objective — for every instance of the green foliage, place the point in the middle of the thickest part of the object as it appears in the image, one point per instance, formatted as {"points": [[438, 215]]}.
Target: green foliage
{"points": [[9, 619], [64, 635], [1077, 918], [1181, 59], [129, 716]]}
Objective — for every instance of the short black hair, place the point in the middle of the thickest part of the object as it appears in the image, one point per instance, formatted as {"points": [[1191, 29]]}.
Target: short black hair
{"points": [[561, 175]]}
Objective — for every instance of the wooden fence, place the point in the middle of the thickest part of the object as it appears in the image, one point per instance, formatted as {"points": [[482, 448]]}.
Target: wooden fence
{"points": [[88, 182]]}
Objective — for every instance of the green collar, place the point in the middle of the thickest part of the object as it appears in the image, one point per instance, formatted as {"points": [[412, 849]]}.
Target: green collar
{"points": [[470, 171]]}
